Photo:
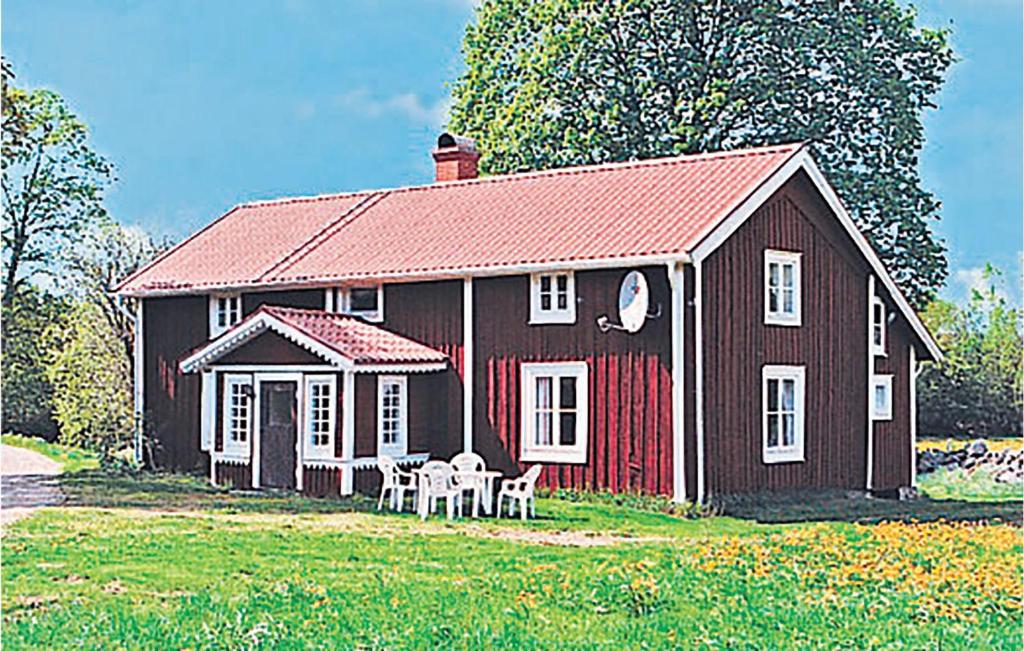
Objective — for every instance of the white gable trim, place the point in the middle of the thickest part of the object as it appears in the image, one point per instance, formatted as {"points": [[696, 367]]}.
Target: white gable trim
{"points": [[803, 160]]}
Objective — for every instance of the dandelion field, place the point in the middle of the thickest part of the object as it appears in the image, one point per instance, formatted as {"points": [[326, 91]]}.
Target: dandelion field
{"points": [[226, 579]]}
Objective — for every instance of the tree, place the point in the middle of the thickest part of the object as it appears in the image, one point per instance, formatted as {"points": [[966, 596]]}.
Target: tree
{"points": [[27, 393], [91, 379], [550, 83], [52, 181], [977, 389]]}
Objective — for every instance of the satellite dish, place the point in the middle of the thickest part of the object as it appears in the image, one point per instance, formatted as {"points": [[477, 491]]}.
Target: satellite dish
{"points": [[634, 298]]}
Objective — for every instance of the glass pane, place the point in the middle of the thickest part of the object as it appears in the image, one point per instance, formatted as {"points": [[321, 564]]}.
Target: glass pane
{"points": [[543, 428], [881, 398], [544, 392], [878, 335], [362, 299], [773, 300], [545, 302], [563, 283], [773, 431], [567, 392], [788, 395], [773, 274], [787, 301], [563, 301], [545, 284], [773, 395], [788, 430], [567, 428], [787, 275]]}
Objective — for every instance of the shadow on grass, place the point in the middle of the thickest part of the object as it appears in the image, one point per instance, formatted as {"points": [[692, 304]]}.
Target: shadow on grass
{"points": [[841, 506]]}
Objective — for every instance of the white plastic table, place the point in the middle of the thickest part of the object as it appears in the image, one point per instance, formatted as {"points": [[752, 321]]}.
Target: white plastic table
{"points": [[488, 477]]}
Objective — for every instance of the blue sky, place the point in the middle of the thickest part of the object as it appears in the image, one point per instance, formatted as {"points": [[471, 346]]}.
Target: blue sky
{"points": [[205, 104]]}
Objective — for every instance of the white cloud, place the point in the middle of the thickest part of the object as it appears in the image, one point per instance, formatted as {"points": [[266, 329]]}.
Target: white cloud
{"points": [[409, 105], [973, 279]]}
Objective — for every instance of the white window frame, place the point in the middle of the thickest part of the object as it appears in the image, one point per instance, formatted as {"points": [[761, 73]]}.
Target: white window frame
{"points": [[339, 300], [885, 411], [782, 258], [216, 329], [540, 316], [878, 348], [795, 452], [233, 448], [401, 447], [325, 451], [554, 453]]}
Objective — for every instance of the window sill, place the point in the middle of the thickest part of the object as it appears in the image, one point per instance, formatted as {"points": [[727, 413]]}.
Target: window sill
{"points": [[554, 456], [782, 457], [552, 320], [778, 321], [879, 353]]}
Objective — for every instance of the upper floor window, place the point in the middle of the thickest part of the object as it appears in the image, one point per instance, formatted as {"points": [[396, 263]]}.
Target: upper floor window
{"points": [[781, 288], [881, 397], [553, 298], [237, 414], [877, 326], [554, 412], [366, 302], [320, 419], [392, 415], [782, 400], [225, 311]]}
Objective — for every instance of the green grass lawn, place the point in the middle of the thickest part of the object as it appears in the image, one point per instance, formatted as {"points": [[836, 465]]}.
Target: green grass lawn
{"points": [[166, 562], [958, 484], [71, 459]]}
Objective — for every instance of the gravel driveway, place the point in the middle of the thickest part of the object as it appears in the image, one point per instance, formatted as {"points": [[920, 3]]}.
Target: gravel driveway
{"points": [[28, 480]]}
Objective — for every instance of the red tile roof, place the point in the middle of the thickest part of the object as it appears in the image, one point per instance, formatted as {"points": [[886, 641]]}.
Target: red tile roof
{"points": [[360, 343], [623, 210]]}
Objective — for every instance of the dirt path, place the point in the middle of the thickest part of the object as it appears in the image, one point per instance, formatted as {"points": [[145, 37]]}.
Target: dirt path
{"points": [[27, 482]]}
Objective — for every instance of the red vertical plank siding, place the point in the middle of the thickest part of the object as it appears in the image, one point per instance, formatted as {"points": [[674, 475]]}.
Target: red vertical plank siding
{"points": [[271, 349], [234, 475], [892, 437], [365, 403], [629, 444], [831, 343]]}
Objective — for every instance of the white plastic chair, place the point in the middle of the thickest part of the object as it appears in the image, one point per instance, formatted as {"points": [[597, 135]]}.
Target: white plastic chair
{"points": [[520, 489], [437, 481], [470, 462], [396, 482]]}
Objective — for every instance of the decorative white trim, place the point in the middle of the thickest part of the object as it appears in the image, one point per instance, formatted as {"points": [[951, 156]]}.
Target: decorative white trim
{"points": [[870, 479], [718, 233], [207, 410], [401, 447], [698, 305], [363, 463], [677, 284], [230, 448], [139, 377], [265, 368], [796, 452], [554, 315], [400, 369], [782, 258], [467, 365], [310, 452], [913, 415], [234, 316], [554, 453], [884, 381], [878, 349], [348, 428]]}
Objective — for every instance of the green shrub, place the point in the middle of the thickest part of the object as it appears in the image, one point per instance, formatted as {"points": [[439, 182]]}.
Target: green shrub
{"points": [[638, 501]]}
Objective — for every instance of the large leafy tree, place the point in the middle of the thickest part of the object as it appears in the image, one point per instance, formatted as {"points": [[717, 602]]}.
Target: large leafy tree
{"points": [[550, 83], [53, 182]]}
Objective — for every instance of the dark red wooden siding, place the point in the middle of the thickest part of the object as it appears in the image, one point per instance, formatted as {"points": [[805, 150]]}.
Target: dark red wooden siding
{"points": [[312, 299], [427, 415], [234, 475], [270, 348], [831, 343], [630, 437], [892, 439]]}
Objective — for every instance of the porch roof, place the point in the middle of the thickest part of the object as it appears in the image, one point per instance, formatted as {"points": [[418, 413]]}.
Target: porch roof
{"points": [[343, 341]]}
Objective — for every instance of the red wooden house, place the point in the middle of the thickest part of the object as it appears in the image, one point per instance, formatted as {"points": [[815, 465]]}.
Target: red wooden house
{"points": [[291, 341]]}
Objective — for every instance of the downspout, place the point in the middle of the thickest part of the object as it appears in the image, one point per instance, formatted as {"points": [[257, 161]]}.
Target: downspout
{"points": [[675, 279], [698, 303], [870, 479]]}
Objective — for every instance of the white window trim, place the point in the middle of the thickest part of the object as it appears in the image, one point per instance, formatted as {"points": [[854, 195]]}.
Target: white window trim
{"points": [[339, 299], [230, 448], [878, 349], [402, 447], [795, 453], [554, 453], [773, 256], [215, 328], [320, 452], [553, 316], [886, 412]]}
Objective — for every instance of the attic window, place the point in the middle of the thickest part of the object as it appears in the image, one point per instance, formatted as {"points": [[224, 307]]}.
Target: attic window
{"points": [[225, 311], [552, 298], [782, 288], [878, 326], [366, 302]]}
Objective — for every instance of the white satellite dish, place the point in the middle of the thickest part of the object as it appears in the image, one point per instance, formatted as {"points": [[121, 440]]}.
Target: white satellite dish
{"points": [[634, 299]]}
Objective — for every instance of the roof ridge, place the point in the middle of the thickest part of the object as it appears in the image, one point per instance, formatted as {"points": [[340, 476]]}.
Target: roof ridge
{"points": [[310, 198]]}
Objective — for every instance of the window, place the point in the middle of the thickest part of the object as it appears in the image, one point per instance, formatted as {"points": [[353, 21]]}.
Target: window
{"points": [[783, 418], [554, 412], [320, 420], [225, 311], [366, 302], [392, 412], [781, 288], [881, 401], [553, 298], [877, 326], [237, 414]]}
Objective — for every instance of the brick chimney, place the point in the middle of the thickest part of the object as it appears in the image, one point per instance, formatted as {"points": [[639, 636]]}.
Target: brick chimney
{"points": [[455, 158]]}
